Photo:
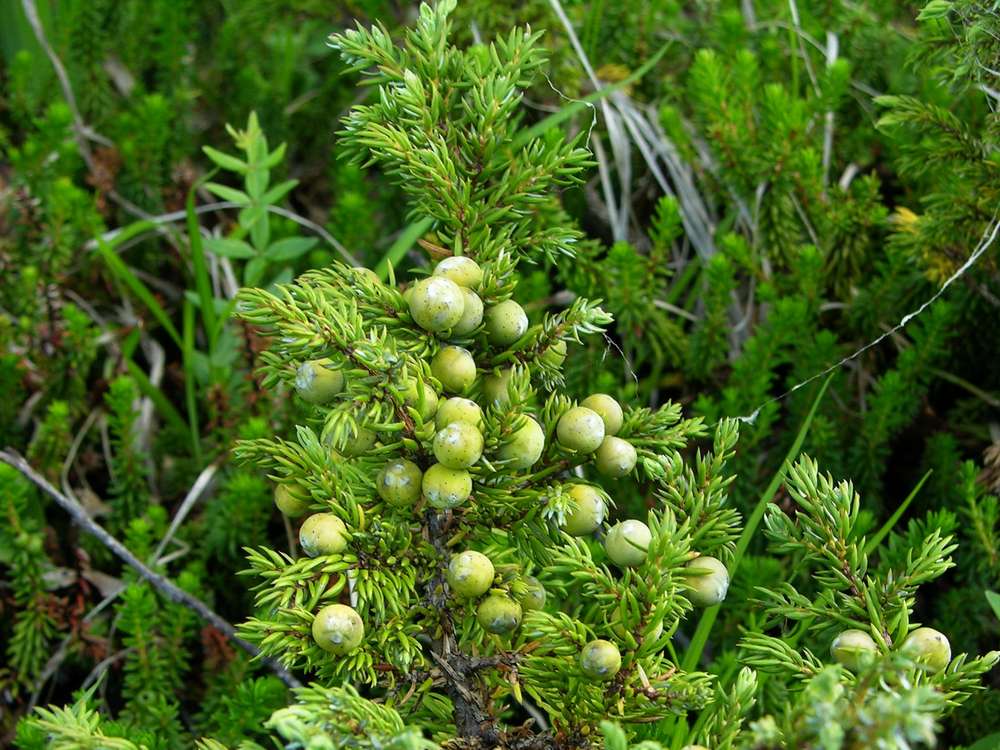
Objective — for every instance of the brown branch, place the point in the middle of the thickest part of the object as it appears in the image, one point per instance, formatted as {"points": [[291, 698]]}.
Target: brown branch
{"points": [[166, 587]]}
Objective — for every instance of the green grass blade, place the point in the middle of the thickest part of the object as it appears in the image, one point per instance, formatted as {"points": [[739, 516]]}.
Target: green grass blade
{"points": [[572, 107], [403, 242], [693, 654], [140, 290], [160, 401], [201, 280], [887, 526], [189, 381]]}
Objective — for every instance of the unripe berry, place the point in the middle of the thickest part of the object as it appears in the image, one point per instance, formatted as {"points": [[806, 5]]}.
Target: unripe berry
{"points": [[461, 269], [580, 429], [366, 273], [928, 647], [555, 354], [470, 574], [428, 405], [694, 747], [495, 388], [525, 445], [455, 368], [457, 409], [530, 593], [506, 322], [458, 445], [361, 443], [472, 314], [318, 381], [499, 614], [615, 457], [853, 648], [446, 488], [292, 500], [323, 534], [600, 660], [710, 582], [436, 304], [338, 629], [627, 543], [587, 513], [399, 482], [608, 409]]}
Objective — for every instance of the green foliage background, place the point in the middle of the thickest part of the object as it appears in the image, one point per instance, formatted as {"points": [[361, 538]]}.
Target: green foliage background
{"points": [[812, 201]]}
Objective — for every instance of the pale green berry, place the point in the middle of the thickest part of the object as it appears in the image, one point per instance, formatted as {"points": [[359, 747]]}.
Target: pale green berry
{"points": [[615, 457], [580, 429], [555, 354], [853, 648], [458, 409], [455, 368], [458, 445], [472, 314], [399, 482], [694, 747], [530, 593], [338, 629], [361, 443], [323, 534], [609, 410], [292, 500], [428, 405], [506, 322], [470, 574], [600, 660], [709, 583], [627, 543], [495, 388], [928, 647], [499, 614], [524, 446], [318, 381], [587, 510], [446, 488], [436, 304], [461, 269], [619, 630]]}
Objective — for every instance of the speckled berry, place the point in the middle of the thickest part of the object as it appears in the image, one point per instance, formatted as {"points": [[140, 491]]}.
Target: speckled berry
{"points": [[495, 387], [446, 488], [323, 534], [455, 368], [627, 543], [318, 381], [529, 592], [853, 648], [928, 647], [709, 582], [555, 354], [608, 409], [458, 445], [472, 314], [470, 574], [615, 457], [457, 409], [422, 398], [461, 269], [338, 629], [360, 443], [524, 446], [399, 482], [291, 499], [587, 510], [506, 322], [436, 304], [600, 660], [499, 614], [580, 429]]}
